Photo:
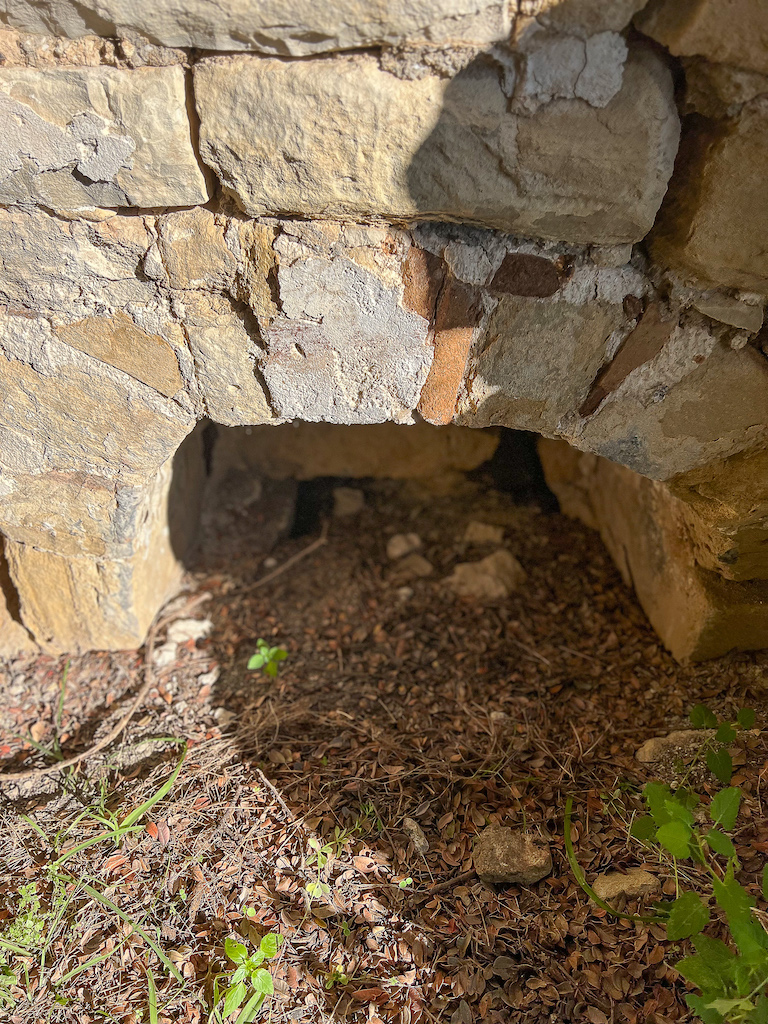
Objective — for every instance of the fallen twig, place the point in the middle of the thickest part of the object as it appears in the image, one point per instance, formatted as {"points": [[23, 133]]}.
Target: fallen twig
{"points": [[287, 564]]}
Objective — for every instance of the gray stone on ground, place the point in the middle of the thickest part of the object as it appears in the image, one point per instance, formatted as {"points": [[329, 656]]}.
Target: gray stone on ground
{"points": [[347, 501], [483, 533], [416, 836], [632, 884], [504, 856], [401, 544], [491, 579], [682, 743], [413, 566]]}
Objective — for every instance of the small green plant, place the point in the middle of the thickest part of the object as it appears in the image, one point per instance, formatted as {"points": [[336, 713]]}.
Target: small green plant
{"points": [[249, 983], [318, 858], [267, 658], [404, 883], [732, 979], [336, 976]]}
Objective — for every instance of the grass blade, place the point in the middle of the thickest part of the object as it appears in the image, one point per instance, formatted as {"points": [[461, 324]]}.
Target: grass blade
{"points": [[164, 790]]}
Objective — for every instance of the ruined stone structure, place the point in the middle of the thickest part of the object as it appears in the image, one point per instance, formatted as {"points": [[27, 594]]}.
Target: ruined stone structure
{"points": [[543, 214]]}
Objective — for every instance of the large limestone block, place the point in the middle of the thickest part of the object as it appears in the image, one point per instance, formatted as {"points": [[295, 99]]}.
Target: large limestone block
{"points": [[557, 319], [15, 640], [695, 401], [576, 17], [727, 505], [76, 138], [713, 224], [305, 451], [696, 613], [728, 31], [286, 27], [345, 139]]}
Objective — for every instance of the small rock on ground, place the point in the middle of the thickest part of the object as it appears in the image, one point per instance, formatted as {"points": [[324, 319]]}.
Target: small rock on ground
{"points": [[491, 579], [483, 533], [188, 629], [504, 856], [347, 501], [682, 744], [416, 835], [413, 566], [402, 544], [634, 883]]}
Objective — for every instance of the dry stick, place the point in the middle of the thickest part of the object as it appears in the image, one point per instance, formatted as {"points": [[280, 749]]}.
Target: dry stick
{"points": [[114, 732], [288, 563], [463, 876]]}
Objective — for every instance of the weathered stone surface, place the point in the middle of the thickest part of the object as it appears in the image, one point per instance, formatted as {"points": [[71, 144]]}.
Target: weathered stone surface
{"points": [[15, 640], [76, 138], [386, 450], [680, 744], [633, 883], [506, 857], [491, 579], [401, 544], [536, 361], [677, 412], [726, 512], [696, 612], [736, 34], [714, 220], [285, 27], [576, 17], [437, 148], [719, 90]]}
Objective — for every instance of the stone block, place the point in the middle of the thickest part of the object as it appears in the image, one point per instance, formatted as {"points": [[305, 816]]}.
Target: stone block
{"points": [[735, 32], [576, 17], [284, 27], [712, 226], [76, 138], [344, 139], [696, 612], [305, 451]]}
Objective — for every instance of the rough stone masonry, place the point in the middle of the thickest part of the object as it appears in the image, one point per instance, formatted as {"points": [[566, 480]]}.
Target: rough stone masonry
{"points": [[544, 214]]}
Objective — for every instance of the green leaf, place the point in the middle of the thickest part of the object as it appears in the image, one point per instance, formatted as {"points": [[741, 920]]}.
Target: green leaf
{"points": [[746, 718], [262, 982], [255, 960], [675, 837], [760, 1013], [151, 993], [720, 843], [656, 795], [765, 881], [720, 764], [699, 1006], [644, 829], [696, 970], [717, 956], [725, 733], [236, 951], [251, 1008], [678, 811], [702, 718], [234, 997], [270, 944], [747, 933], [256, 661], [687, 916], [724, 808]]}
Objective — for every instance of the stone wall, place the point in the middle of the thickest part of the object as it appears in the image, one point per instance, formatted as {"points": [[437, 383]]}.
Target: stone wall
{"points": [[545, 215]]}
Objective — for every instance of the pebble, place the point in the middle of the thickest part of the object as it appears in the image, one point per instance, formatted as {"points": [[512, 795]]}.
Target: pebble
{"points": [[401, 544], [413, 566], [165, 655], [224, 717], [491, 579], [504, 856], [209, 678], [416, 835], [683, 744], [634, 883], [182, 630], [483, 533], [347, 501]]}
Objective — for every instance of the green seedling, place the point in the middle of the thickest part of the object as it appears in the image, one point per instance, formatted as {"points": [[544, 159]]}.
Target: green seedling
{"points": [[249, 984], [267, 658]]}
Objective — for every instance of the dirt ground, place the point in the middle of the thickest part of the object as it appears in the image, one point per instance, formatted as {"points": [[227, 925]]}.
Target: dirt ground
{"points": [[393, 703]]}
